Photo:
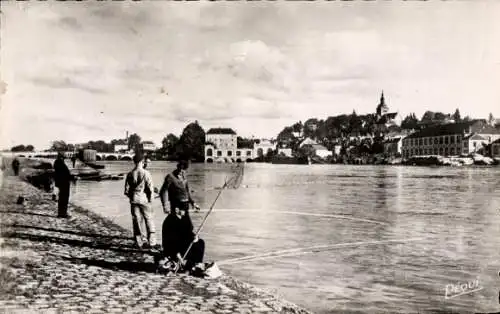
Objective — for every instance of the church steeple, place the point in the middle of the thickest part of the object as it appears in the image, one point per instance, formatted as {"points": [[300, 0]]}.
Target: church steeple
{"points": [[382, 106]]}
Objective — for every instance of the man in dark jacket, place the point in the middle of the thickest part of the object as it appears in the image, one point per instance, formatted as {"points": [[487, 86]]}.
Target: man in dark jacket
{"points": [[15, 166], [176, 188], [62, 180], [177, 235]]}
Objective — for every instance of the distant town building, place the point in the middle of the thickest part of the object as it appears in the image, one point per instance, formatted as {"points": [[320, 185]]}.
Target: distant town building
{"points": [[148, 146], [221, 145], [287, 152], [319, 150], [393, 146], [474, 143], [264, 147], [222, 138], [383, 117], [307, 141], [297, 134], [121, 145], [450, 139], [118, 148], [337, 148]]}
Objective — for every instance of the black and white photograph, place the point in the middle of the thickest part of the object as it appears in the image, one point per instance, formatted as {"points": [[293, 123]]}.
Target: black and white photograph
{"points": [[250, 156]]}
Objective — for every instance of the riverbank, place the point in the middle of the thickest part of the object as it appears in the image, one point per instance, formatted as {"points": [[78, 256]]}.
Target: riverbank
{"points": [[89, 264]]}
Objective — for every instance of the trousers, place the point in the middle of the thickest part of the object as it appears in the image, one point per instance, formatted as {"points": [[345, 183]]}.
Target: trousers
{"points": [[195, 254], [143, 213], [63, 199]]}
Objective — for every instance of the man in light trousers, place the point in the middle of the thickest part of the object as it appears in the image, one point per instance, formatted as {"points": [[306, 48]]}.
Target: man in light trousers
{"points": [[139, 190]]}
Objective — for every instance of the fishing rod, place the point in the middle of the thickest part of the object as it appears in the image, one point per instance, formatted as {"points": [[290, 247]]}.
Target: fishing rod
{"points": [[202, 223], [235, 181]]}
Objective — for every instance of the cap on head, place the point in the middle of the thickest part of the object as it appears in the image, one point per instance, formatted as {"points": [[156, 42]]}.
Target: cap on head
{"points": [[138, 158], [183, 164]]}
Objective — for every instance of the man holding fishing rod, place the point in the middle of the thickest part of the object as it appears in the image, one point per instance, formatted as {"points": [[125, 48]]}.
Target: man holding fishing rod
{"points": [[178, 237], [176, 188], [177, 231], [182, 248]]}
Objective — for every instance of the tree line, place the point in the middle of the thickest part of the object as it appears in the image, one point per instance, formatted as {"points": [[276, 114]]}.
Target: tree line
{"points": [[346, 129], [333, 130]]}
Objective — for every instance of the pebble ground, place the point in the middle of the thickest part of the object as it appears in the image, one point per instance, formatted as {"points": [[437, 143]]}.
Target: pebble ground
{"points": [[87, 264]]}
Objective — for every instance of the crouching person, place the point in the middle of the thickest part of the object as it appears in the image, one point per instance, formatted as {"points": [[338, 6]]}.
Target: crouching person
{"points": [[177, 235]]}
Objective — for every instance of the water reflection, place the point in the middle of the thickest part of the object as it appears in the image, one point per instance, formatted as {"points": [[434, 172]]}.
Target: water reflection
{"points": [[451, 212]]}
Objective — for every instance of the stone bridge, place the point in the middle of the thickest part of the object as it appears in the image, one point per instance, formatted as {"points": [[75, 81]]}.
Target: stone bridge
{"points": [[114, 156], [53, 155]]}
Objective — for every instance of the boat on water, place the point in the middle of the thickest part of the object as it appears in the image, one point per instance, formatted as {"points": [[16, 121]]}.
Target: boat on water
{"points": [[317, 160], [101, 177], [95, 166]]}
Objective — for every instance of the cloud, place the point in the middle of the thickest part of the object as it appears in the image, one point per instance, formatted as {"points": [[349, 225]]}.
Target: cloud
{"points": [[75, 121], [152, 66], [64, 82]]}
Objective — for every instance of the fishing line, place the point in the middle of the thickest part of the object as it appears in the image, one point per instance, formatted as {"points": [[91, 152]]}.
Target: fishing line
{"points": [[322, 248], [309, 250], [298, 214], [259, 186]]}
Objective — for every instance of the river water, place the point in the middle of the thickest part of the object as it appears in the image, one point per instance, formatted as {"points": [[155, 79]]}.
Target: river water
{"points": [[383, 239]]}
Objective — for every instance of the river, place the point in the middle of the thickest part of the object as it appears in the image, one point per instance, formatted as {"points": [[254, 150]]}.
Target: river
{"points": [[345, 238]]}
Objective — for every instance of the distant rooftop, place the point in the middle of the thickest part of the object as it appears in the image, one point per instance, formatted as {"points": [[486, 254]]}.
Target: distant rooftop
{"points": [[393, 140], [221, 131], [476, 137], [318, 147], [121, 142], [477, 126]]}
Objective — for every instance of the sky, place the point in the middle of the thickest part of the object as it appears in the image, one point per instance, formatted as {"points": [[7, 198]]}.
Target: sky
{"points": [[80, 71]]}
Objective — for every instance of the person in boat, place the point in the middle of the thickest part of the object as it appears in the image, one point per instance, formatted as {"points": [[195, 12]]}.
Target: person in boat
{"points": [[62, 180], [15, 166], [177, 236], [139, 190], [175, 188]]}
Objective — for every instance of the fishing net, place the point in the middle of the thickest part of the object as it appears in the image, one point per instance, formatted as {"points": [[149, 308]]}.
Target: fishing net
{"points": [[236, 178], [231, 183]]}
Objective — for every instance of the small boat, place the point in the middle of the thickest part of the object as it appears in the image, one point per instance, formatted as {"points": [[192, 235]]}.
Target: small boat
{"points": [[101, 177], [95, 166]]}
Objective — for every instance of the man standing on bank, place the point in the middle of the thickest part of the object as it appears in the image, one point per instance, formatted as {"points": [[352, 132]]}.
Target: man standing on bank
{"points": [[139, 190], [177, 188], [62, 180], [15, 166]]}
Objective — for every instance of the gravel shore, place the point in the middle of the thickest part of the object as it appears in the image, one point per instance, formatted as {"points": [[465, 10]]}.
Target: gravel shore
{"points": [[89, 264]]}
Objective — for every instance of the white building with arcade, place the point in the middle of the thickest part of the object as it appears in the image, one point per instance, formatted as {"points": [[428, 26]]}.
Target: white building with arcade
{"points": [[221, 145]]}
